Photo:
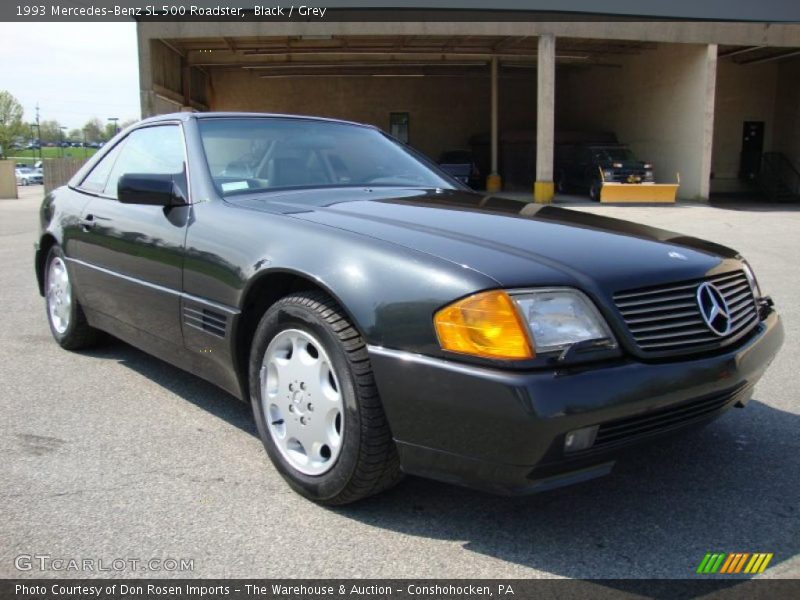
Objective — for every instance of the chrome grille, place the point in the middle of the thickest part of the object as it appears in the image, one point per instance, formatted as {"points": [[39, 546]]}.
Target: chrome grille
{"points": [[667, 318]]}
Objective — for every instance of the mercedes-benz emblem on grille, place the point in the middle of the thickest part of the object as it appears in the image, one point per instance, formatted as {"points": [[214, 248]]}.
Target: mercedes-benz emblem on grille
{"points": [[713, 309]]}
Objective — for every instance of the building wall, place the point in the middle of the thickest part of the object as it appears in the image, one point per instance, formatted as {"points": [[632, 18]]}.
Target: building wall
{"points": [[787, 110], [744, 93], [655, 101], [444, 112]]}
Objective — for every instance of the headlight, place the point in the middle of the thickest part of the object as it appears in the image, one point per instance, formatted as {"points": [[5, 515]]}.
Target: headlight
{"points": [[608, 174], [648, 175], [518, 324], [559, 317], [751, 279], [486, 324]]}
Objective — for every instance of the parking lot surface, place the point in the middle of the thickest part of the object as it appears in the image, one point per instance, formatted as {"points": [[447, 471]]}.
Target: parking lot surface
{"points": [[113, 454]]}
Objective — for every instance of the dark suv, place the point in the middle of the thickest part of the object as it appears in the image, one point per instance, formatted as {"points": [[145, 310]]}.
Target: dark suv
{"points": [[579, 165]]}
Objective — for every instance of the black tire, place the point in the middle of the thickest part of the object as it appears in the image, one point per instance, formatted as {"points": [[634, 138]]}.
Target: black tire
{"points": [[594, 190], [367, 462], [561, 184], [78, 334]]}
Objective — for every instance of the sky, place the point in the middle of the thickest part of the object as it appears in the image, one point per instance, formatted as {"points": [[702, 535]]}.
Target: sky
{"points": [[75, 71]]}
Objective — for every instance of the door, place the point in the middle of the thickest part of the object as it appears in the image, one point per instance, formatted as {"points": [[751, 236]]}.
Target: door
{"points": [[130, 257], [399, 126], [752, 149]]}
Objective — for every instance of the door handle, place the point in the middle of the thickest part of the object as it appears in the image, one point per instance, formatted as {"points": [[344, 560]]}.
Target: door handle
{"points": [[87, 222]]}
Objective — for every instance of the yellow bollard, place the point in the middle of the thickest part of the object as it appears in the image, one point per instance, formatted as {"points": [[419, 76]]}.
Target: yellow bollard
{"points": [[543, 192], [494, 183]]}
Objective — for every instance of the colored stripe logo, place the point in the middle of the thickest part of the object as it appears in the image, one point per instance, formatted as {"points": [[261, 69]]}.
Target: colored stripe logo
{"points": [[734, 562]]}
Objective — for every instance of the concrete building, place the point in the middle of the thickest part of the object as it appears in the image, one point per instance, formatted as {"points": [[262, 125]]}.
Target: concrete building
{"points": [[699, 99]]}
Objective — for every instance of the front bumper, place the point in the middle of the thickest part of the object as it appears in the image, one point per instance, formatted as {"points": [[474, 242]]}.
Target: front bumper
{"points": [[504, 431]]}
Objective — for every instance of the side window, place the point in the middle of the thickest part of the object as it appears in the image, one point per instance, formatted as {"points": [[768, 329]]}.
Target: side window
{"points": [[153, 150], [95, 181]]}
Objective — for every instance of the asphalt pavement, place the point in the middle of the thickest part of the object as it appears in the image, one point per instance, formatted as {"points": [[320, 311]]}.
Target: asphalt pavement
{"points": [[112, 454]]}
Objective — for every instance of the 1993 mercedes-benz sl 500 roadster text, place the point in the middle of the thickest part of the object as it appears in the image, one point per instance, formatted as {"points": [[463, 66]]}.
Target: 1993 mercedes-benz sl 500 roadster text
{"points": [[381, 318]]}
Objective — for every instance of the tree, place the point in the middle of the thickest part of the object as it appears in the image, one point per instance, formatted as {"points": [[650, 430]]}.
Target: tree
{"points": [[75, 135], [94, 130], [51, 130], [11, 124], [109, 131]]}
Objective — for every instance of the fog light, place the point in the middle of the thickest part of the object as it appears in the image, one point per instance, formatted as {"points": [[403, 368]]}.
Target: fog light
{"points": [[580, 439]]}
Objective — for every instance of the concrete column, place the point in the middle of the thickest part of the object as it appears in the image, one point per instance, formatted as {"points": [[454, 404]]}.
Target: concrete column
{"points": [[543, 189], [493, 181], [146, 95], [708, 119]]}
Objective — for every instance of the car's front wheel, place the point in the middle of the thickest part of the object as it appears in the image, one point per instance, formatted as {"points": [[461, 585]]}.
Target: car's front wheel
{"points": [[561, 184], [594, 190], [316, 405], [64, 314]]}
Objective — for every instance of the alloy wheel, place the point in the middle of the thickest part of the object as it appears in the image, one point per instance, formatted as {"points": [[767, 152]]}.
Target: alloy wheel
{"points": [[59, 295], [302, 401]]}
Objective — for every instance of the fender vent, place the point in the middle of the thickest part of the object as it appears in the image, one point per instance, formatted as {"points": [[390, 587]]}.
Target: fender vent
{"points": [[206, 320]]}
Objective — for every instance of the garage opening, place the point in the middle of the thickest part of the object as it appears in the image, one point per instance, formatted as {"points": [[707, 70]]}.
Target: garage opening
{"points": [[756, 152], [432, 92], [648, 102], [642, 106]]}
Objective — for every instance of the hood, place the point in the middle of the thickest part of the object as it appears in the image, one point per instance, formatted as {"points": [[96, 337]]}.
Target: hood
{"points": [[515, 243], [626, 164]]}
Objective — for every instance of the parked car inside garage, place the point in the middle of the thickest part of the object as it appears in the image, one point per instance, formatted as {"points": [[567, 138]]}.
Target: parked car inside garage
{"points": [[586, 165], [461, 165]]}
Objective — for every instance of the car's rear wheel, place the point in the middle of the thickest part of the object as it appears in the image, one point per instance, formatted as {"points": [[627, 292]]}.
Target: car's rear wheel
{"points": [[64, 313], [316, 404]]}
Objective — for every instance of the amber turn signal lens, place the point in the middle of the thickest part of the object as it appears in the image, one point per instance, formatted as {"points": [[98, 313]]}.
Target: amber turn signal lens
{"points": [[485, 324]]}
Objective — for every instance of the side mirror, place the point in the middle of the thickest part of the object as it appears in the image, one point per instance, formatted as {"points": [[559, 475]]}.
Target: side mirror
{"points": [[153, 189]]}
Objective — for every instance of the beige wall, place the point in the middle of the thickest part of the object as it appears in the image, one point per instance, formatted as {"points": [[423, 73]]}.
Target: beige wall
{"points": [[444, 111], [744, 93], [655, 102], [8, 181]]}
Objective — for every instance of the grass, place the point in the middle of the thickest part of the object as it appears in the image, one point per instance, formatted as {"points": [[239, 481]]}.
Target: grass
{"points": [[28, 155]]}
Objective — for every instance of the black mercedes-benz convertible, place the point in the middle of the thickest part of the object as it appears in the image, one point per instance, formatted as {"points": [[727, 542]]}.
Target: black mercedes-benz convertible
{"points": [[382, 318]]}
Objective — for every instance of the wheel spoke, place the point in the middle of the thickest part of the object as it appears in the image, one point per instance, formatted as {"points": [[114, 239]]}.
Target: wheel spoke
{"points": [[327, 384]]}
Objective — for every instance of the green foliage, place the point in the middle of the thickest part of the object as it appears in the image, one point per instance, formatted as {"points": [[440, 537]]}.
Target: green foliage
{"points": [[11, 123], [94, 130], [50, 130]]}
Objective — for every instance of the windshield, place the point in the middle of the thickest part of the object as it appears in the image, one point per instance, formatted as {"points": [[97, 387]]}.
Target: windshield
{"points": [[247, 155], [613, 154]]}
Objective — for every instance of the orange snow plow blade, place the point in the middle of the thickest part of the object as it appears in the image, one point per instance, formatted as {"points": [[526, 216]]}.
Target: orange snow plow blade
{"points": [[639, 192]]}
